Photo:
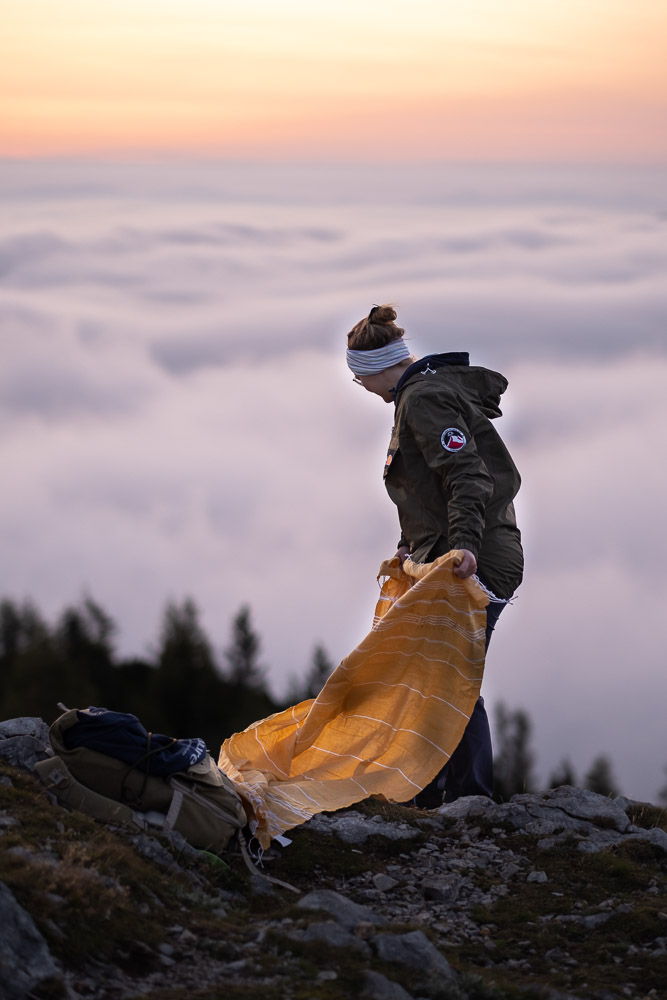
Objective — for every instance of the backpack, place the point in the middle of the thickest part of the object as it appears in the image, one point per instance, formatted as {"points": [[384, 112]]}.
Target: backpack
{"points": [[198, 801]]}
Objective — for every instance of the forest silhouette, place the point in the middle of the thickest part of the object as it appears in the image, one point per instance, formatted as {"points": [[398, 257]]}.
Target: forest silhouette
{"points": [[185, 689]]}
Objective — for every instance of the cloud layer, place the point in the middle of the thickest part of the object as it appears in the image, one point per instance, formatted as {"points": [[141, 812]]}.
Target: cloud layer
{"points": [[177, 418]]}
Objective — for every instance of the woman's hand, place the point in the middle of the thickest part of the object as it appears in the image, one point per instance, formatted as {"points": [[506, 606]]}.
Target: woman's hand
{"points": [[466, 564], [403, 552]]}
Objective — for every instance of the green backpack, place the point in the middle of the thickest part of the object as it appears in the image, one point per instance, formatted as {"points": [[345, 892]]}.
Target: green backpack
{"points": [[201, 802]]}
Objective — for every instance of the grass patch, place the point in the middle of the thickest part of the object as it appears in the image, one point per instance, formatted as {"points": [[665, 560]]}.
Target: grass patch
{"points": [[545, 924], [648, 816], [313, 858], [92, 894], [85, 886]]}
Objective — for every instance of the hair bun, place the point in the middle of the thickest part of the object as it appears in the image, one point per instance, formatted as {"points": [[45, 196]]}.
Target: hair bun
{"points": [[382, 314], [375, 330]]}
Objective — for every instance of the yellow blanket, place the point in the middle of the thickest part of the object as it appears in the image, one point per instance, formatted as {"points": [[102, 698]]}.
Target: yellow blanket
{"points": [[387, 719]]}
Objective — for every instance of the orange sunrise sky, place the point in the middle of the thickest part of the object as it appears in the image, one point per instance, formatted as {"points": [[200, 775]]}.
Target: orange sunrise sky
{"points": [[343, 80]]}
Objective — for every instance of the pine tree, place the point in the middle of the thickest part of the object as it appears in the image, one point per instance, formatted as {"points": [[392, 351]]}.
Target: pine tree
{"points": [[33, 667], [315, 679], [662, 794], [319, 671], [83, 638], [188, 690], [242, 655], [10, 640], [563, 775], [513, 760], [249, 698], [599, 778]]}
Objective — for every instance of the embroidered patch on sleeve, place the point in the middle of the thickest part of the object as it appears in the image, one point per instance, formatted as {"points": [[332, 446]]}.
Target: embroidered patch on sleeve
{"points": [[452, 439]]}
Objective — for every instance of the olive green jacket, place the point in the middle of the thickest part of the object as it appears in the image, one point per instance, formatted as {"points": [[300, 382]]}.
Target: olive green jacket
{"points": [[449, 473]]}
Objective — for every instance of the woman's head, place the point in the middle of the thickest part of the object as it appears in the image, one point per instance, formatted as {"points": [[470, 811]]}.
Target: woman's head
{"points": [[377, 355]]}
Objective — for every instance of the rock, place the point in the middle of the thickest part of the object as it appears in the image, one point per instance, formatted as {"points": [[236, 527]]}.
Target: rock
{"points": [[469, 807], [583, 804], [656, 836], [25, 726], [354, 828], [605, 838], [343, 910], [151, 849], [332, 934], [595, 920], [625, 804], [22, 751], [378, 987], [548, 842], [384, 882], [588, 847], [179, 843], [560, 810], [557, 995], [445, 889], [260, 885], [413, 949], [537, 877], [25, 960]]}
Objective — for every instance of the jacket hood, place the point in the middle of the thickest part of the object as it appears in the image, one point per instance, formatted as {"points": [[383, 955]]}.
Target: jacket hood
{"points": [[483, 386]]}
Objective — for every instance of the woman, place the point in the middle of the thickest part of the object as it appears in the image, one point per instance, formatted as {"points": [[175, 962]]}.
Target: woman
{"points": [[453, 482]]}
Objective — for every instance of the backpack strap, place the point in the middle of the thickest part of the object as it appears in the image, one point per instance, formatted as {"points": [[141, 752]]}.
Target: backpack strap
{"points": [[58, 779]]}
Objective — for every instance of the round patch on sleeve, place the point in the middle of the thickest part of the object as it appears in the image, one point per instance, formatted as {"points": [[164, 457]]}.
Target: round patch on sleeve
{"points": [[452, 439]]}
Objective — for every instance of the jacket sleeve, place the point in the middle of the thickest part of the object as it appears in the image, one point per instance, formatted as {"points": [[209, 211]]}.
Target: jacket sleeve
{"points": [[444, 439]]}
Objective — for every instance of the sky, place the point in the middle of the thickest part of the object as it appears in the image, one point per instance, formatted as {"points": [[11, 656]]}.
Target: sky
{"points": [[386, 80], [198, 200], [177, 418]]}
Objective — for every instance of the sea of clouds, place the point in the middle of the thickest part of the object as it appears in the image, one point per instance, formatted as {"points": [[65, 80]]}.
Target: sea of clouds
{"points": [[177, 418]]}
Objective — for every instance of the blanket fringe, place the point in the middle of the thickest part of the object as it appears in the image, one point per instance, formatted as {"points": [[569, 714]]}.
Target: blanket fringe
{"points": [[252, 866]]}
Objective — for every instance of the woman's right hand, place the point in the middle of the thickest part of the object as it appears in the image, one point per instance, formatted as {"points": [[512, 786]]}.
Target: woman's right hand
{"points": [[403, 552], [465, 565]]}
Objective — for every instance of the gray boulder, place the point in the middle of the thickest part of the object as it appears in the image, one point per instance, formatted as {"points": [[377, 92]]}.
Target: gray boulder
{"points": [[378, 987], [153, 850], [559, 810], [344, 911], [469, 807], [413, 949], [22, 752], [442, 888], [25, 960], [25, 726], [580, 803], [655, 836], [332, 934], [354, 828]]}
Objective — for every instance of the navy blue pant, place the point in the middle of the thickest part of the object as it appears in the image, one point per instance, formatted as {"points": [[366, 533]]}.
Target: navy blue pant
{"points": [[469, 771]]}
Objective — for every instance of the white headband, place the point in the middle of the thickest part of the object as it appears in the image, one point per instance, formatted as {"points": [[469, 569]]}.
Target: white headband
{"points": [[372, 362]]}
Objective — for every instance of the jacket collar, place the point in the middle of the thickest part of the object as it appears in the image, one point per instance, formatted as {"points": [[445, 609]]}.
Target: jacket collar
{"points": [[432, 362]]}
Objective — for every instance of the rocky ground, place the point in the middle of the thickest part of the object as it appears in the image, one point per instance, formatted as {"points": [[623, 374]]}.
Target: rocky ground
{"points": [[555, 895]]}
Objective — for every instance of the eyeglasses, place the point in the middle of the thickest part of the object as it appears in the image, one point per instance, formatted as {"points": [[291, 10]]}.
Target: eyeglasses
{"points": [[357, 380]]}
